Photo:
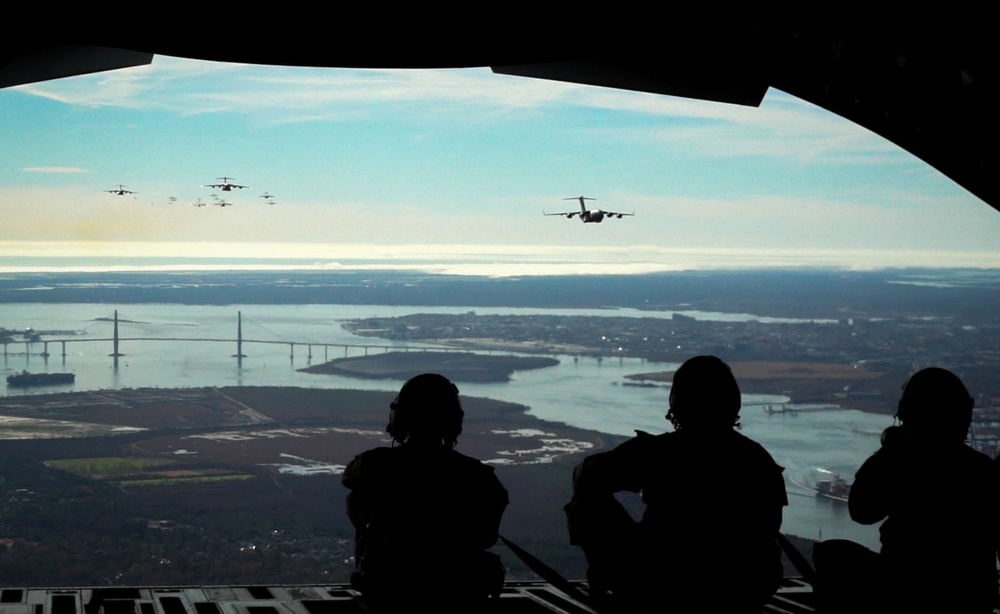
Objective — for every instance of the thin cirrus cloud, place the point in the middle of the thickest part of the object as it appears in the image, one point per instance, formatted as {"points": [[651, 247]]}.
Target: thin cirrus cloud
{"points": [[199, 87], [782, 127], [65, 170]]}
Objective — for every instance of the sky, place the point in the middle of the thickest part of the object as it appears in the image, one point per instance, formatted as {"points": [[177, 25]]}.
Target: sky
{"points": [[450, 171]]}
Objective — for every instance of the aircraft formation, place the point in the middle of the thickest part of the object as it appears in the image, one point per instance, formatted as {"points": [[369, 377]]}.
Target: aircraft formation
{"points": [[225, 185], [589, 216]]}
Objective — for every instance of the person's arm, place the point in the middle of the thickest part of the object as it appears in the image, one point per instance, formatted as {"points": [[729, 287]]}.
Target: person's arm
{"points": [[494, 499], [609, 472], [594, 510], [358, 501], [780, 497], [867, 502]]}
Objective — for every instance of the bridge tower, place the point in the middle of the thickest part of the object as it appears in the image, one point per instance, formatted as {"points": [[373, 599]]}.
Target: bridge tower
{"points": [[239, 355], [115, 354]]}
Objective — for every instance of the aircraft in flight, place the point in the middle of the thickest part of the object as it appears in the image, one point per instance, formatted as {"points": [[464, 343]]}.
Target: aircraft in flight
{"points": [[221, 202], [120, 191], [268, 198], [588, 216], [226, 186]]}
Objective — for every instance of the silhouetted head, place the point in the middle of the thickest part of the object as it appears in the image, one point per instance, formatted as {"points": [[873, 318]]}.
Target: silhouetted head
{"points": [[426, 409], [704, 394], [936, 404]]}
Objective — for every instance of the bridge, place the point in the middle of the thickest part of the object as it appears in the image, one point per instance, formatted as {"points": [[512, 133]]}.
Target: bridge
{"points": [[115, 340]]}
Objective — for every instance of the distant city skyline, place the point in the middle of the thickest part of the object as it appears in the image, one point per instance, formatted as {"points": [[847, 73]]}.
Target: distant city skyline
{"points": [[450, 171]]}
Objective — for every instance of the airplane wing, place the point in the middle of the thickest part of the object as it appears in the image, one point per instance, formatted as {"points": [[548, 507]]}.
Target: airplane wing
{"points": [[618, 215], [567, 214]]}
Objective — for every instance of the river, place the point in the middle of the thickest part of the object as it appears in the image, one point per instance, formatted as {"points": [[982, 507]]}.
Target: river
{"points": [[583, 392]]}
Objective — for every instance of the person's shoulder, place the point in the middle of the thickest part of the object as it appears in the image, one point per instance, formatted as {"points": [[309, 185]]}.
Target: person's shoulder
{"points": [[377, 455], [640, 446], [977, 457], [977, 461], [467, 462], [478, 472], [748, 446], [368, 462]]}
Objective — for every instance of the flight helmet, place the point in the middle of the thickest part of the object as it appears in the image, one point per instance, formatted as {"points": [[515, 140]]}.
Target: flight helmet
{"points": [[426, 408], [704, 393], [934, 402]]}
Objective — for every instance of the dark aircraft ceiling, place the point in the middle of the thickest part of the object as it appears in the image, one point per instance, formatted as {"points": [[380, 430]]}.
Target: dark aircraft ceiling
{"points": [[928, 85]]}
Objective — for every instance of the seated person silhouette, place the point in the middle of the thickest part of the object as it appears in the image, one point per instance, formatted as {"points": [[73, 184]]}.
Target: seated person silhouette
{"points": [[424, 514], [713, 504], [938, 500]]}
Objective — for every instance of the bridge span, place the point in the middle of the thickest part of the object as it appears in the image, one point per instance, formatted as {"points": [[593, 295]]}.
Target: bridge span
{"points": [[116, 340]]}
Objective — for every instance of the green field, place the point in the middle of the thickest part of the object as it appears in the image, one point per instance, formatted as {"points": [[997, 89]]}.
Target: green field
{"points": [[91, 467], [181, 481], [130, 472]]}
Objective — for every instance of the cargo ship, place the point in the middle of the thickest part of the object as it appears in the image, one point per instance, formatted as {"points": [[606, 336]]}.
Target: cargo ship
{"points": [[27, 380], [837, 489]]}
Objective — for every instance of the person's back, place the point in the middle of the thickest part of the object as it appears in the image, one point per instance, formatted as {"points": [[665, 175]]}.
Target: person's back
{"points": [[936, 499], [713, 505], [424, 513], [938, 510]]}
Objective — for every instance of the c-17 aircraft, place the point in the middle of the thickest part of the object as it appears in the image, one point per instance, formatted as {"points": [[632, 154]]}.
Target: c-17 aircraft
{"points": [[225, 186], [588, 216], [221, 202], [120, 191]]}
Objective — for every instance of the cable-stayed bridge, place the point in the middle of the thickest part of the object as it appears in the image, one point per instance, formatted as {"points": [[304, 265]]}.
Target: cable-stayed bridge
{"points": [[115, 341]]}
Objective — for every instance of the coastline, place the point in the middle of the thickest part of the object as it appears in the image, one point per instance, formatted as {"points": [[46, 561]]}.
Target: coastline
{"points": [[809, 383]]}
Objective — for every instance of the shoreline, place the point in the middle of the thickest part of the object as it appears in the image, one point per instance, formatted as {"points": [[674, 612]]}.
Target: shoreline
{"points": [[807, 383], [460, 366]]}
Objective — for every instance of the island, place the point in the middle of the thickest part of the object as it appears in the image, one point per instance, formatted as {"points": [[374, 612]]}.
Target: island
{"points": [[457, 366]]}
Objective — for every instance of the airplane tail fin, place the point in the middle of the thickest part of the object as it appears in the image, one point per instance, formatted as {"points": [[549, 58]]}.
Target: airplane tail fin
{"points": [[583, 207]]}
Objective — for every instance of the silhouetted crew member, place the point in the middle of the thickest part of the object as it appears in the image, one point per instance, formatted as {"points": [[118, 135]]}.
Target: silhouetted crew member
{"points": [[424, 514], [938, 498], [714, 498]]}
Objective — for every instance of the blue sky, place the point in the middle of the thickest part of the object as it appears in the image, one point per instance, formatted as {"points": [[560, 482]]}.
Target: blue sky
{"points": [[454, 167]]}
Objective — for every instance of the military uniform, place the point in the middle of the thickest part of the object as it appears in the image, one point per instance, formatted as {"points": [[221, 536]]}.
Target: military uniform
{"points": [[713, 509], [939, 535], [424, 515]]}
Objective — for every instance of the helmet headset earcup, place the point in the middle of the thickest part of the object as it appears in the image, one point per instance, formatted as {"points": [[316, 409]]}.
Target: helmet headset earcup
{"points": [[934, 401], [704, 392], [427, 405]]}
